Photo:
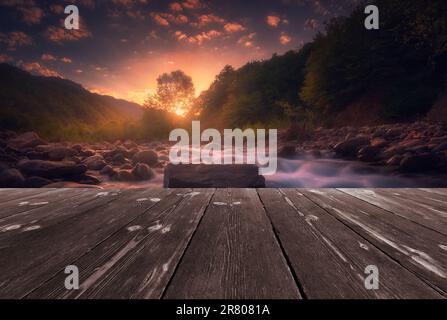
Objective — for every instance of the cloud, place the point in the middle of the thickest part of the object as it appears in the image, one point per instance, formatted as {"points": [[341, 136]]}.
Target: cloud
{"points": [[57, 8], [198, 38], [37, 68], [60, 34], [5, 58], [31, 15], [284, 39], [175, 6], [206, 19], [165, 19], [273, 21], [15, 39], [311, 24], [192, 4], [233, 27], [66, 60], [48, 57], [247, 40], [160, 20]]}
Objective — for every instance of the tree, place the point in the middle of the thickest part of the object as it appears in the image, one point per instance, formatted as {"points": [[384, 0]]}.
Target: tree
{"points": [[175, 93]]}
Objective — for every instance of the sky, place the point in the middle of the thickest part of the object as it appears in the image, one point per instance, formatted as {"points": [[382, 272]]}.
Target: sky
{"points": [[122, 46]]}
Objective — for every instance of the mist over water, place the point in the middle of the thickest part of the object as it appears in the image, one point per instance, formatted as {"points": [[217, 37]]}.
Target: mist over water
{"points": [[334, 173], [307, 171]]}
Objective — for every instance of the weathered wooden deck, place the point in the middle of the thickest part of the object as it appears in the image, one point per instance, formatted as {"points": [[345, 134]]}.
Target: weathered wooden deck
{"points": [[224, 243]]}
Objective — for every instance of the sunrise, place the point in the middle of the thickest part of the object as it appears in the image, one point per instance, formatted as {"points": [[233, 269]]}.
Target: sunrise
{"points": [[223, 158]]}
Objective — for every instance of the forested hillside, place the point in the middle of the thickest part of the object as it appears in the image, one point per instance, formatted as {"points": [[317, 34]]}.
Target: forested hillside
{"points": [[56, 107], [402, 66]]}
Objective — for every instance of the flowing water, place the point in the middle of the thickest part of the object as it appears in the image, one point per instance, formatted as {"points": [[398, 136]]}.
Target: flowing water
{"points": [[326, 172]]}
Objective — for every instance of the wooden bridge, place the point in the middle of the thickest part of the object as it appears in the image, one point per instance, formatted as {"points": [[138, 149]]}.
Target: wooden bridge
{"points": [[223, 243]]}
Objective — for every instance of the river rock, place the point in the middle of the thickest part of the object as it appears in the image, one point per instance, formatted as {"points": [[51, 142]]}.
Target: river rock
{"points": [[440, 147], [50, 169], [287, 151], [125, 175], [59, 153], [11, 178], [36, 182], [350, 147], [369, 153], [419, 163], [148, 157], [212, 176], [107, 171], [26, 140], [142, 171], [95, 162], [66, 184]]}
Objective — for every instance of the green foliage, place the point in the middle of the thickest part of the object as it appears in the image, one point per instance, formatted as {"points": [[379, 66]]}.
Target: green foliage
{"points": [[250, 95], [405, 61], [175, 93], [60, 109]]}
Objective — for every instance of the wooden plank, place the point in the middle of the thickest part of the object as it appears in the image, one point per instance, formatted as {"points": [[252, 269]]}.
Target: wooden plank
{"points": [[15, 194], [410, 204], [440, 191], [233, 254], [419, 249], [33, 257], [30, 204], [63, 204], [138, 260], [321, 247]]}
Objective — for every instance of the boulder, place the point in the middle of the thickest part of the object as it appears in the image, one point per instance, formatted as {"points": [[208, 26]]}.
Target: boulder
{"points": [[107, 170], [36, 182], [95, 162], [50, 169], [148, 157], [369, 154], [440, 147], [419, 163], [59, 153], [65, 184], [394, 160], [125, 175], [26, 140], [350, 147], [212, 176], [142, 171], [287, 151], [11, 178]]}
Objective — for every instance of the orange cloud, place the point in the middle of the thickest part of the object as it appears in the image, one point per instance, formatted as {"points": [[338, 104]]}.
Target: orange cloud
{"points": [[273, 21], [15, 39], [160, 20], [175, 6], [233, 27], [311, 24], [5, 58], [192, 4], [60, 34], [48, 57], [198, 38], [248, 40], [66, 60], [284, 39], [37, 68], [32, 14], [206, 19]]}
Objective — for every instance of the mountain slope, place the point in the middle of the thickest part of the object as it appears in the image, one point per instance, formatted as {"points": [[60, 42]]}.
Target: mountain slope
{"points": [[56, 107]]}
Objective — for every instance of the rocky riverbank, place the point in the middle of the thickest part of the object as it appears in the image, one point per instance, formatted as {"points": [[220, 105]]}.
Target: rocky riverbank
{"points": [[419, 147], [26, 160]]}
